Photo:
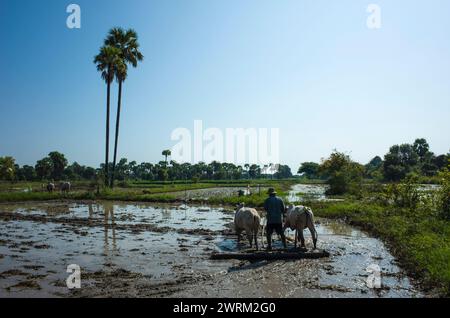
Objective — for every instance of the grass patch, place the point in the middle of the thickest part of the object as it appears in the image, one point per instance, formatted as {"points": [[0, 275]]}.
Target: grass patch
{"points": [[43, 196]]}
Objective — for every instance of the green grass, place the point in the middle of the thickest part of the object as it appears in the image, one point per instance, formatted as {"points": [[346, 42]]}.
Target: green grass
{"points": [[85, 195], [157, 193], [43, 196]]}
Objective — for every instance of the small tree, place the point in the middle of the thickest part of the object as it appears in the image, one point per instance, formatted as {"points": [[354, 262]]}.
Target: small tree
{"points": [[309, 169], [44, 168], [163, 175], [399, 161], [166, 153], [59, 163], [343, 175], [7, 168]]}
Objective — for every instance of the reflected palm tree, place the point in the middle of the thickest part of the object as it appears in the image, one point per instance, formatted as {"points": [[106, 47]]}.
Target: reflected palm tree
{"points": [[166, 213], [91, 210], [108, 209]]}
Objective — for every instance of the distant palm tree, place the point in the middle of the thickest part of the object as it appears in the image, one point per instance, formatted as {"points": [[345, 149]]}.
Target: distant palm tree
{"points": [[127, 43], [107, 61], [166, 153]]}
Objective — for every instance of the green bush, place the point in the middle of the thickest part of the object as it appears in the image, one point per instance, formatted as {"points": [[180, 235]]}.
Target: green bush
{"points": [[444, 195], [404, 195], [343, 175]]}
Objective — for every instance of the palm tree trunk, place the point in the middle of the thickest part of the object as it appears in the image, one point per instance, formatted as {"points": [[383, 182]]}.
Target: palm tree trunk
{"points": [[119, 104], [107, 134]]}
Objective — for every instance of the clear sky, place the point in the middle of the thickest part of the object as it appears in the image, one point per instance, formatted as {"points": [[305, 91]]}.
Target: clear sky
{"points": [[311, 68]]}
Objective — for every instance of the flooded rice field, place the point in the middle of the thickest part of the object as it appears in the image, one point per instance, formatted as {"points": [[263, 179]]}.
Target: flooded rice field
{"points": [[142, 250], [205, 194], [309, 192]]}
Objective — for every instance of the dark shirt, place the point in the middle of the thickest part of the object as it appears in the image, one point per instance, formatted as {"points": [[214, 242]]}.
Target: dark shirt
{"points": [[274, 207]]}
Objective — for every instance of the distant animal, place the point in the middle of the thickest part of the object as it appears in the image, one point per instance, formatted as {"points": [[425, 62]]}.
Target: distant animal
{"points": [[50, 187], [299, 218], [248, 220], [65, 187]]}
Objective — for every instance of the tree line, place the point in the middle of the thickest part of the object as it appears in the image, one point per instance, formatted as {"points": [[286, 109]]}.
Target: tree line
{"points": [[55, 167], [401, 162]]}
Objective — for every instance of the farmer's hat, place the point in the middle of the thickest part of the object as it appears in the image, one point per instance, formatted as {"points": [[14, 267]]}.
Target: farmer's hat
{"points": [[271, 191]]}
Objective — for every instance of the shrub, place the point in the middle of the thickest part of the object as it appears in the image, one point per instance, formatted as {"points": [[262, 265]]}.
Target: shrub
{"points": [[343, 174], [444, 195]]}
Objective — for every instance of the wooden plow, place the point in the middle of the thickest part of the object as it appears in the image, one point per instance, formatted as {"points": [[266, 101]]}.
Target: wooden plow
{"points": [[289, 254]]}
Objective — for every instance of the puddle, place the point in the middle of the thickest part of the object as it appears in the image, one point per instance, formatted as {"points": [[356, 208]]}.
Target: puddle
{"points": [[122, 253]]}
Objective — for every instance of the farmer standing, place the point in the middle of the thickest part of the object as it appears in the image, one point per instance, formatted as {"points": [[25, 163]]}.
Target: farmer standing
{"points": [[275, 209]]}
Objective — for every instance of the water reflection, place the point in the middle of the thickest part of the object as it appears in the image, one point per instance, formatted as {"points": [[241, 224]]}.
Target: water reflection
{"points": [[301, 192], [56, 210], [166, 213], [338, 228], [108, 209], [91, 211]]}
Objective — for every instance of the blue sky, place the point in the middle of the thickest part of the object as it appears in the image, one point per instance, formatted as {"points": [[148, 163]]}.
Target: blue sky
{"points": [[311, 68]]}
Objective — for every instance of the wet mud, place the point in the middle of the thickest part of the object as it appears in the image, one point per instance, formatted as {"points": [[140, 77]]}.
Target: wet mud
{"points": [[143, 250]]}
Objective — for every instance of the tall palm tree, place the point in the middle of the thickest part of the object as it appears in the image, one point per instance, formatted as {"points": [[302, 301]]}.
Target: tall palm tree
{"points": [[166, 153], [107, 61], [127, 43]]}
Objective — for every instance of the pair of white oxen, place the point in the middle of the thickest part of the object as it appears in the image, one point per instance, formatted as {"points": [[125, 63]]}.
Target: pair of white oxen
{"points": [[297, 218]]}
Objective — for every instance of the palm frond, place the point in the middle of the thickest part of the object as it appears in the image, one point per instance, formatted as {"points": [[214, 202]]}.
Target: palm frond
{"points": [[106, 62], [127, 43]]}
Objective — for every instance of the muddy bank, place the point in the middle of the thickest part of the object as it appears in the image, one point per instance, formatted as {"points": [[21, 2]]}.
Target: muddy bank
{"points": [[143, 250]]}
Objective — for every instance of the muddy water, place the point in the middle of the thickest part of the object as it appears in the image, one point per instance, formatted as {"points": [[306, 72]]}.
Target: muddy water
{"points": [[142, 250]]}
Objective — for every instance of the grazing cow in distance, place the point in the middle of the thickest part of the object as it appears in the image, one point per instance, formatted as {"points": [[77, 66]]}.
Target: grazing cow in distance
{"points": [[299, 218], [50, 187], [248, 220], [65, 187]]}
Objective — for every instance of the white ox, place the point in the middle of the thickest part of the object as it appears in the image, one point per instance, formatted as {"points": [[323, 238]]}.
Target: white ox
{"points": [[299, 218], [248, 220]]}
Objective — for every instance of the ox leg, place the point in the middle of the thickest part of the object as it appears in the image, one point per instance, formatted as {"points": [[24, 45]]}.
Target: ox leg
{"points": [[238, 232], [283, 239], [295, 238], [269, 242], [262, 237], [314, 236], [302, 238], [256, 240], [250, 238]]}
